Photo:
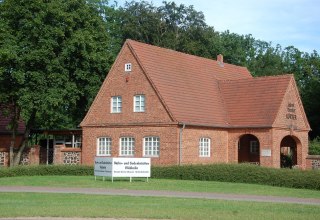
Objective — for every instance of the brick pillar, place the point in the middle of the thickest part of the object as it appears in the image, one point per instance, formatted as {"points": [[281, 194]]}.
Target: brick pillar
{"points": [[57, 157]]}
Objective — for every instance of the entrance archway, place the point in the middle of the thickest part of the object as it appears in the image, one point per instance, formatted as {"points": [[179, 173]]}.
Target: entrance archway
{"points": [[248, 149], [288, 152]]}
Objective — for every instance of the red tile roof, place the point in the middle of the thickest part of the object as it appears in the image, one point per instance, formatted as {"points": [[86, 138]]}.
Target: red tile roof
{"points": [[255, 101], [188, 84]]}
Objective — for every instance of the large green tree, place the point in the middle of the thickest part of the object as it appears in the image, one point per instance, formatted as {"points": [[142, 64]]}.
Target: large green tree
{"points": [[53, 58]]}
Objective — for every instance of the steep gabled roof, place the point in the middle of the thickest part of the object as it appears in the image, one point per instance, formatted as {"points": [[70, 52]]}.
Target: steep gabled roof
{"points": [[254, 102], [188, 84]]}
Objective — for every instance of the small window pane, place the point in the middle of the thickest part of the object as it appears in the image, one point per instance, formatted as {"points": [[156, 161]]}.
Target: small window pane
{"points": [[151, 146], [204, 147], [139, 103], [116, 104], [127, 146], [104, 146]]}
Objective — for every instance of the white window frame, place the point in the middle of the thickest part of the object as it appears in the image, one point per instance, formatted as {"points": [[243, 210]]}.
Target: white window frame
{"points": [[139, 103], [127, 67], [151, 146], [204, 147], [116, 104], [254, 147], [104, 146], [127, 146]]}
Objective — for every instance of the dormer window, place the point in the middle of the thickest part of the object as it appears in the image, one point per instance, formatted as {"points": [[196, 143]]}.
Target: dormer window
{"points": [[127, 67]]}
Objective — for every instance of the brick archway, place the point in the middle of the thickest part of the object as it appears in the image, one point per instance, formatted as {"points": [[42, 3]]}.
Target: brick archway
{"points": [[288, 151], [248, 149]]}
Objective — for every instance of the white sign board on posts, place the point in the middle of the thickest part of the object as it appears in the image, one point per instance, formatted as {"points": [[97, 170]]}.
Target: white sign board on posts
{"points": [[122, 167]]}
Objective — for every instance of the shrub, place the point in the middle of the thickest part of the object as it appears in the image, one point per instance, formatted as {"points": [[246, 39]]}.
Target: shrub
{"points": [[314, 146], [242, 173], [43, 170], [237, 173]]}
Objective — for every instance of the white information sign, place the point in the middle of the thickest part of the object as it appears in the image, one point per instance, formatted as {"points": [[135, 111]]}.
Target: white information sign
{"points": [[122, 167], [266, 153]]}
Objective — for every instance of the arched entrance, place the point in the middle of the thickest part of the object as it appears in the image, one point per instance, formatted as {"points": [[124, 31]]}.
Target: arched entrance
{"points": [[288, 152], [249, 149]]}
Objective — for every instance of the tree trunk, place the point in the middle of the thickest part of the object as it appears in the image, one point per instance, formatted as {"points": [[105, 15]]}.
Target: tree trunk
{"points": [[29, 125], [17, 156], [14, 123]]}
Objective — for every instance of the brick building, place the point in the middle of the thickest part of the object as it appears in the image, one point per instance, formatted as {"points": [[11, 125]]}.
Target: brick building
{"points": [[182, 109]]}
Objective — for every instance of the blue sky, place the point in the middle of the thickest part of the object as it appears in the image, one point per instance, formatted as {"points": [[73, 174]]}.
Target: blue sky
{"points": [[284, 22]]}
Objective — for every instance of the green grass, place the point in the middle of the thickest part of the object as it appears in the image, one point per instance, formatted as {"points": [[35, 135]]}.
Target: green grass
{"points": [[75, 205], [158, 184]]}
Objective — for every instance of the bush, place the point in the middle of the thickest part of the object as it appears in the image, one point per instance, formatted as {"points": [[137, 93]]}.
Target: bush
{"points": [[237, 173], [242, 173], [51, 170], [314, 146]]}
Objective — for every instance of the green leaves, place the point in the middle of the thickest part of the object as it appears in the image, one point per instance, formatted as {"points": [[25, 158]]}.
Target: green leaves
{"points": [[53, 55]]}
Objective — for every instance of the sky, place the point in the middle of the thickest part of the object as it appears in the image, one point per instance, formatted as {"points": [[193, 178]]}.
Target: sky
{"points": [[285, 22]]}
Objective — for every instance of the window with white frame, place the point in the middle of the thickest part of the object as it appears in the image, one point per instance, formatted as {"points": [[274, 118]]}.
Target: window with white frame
{"points": [[104, 146], [127, 67], [204, 147], [127, 146], [151, 146], [254, 147], [139, 103], [116, 104]]}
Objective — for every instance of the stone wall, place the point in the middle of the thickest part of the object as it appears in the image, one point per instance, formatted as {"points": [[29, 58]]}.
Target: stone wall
{"points": [[69, 156], [30, 156], [313, 162]]}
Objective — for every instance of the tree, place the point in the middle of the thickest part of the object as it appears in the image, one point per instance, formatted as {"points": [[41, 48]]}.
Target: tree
{"points": [[53, 58]]}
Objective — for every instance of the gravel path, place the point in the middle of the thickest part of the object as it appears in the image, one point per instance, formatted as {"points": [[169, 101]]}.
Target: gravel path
{"points": [[125, 192]]}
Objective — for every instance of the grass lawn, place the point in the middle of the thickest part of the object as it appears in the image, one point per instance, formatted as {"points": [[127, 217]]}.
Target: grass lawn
{"points": [[158, 184], [76, 205]]}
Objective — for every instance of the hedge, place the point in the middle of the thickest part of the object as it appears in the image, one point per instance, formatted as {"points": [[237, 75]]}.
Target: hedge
{"points": [[237, 173], [51, 170], [242, 173]]}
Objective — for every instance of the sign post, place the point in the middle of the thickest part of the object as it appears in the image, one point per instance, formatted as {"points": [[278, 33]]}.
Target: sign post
{"points": [[122, 167]]}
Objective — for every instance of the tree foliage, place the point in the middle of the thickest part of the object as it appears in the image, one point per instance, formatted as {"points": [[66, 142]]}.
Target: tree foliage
{"points": [[53, 58]]}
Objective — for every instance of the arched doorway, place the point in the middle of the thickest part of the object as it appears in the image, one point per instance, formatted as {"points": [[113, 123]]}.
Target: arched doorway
{"points": [[288, 152], [249, 149]]}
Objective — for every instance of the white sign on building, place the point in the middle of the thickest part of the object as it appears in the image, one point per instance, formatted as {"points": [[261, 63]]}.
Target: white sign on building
{"points": [[122, 167]]}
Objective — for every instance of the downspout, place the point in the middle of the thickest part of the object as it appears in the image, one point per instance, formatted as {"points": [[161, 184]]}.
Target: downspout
{"points": [[180, 142]]}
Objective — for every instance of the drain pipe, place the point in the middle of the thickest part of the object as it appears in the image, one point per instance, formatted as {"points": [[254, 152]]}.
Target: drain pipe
{"points": [[180, 142]]}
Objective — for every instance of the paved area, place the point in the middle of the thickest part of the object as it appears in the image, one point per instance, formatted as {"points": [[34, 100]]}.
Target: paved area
{"points": [[125, 192]]}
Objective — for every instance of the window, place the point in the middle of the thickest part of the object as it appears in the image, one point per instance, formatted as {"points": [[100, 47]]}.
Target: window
{"points": [[127, 67], [126, 146], [151, 146], [139, 103], [104, 146], [254, 147], [204, 147], [116, 104]]}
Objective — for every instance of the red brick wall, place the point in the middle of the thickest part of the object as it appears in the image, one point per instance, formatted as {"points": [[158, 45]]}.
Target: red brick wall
{"points": [[264, 137], [126, 85], [168, 142], [190, 147], [291, 113]]}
